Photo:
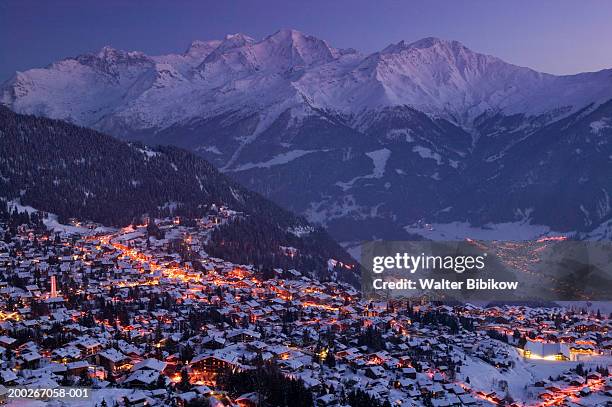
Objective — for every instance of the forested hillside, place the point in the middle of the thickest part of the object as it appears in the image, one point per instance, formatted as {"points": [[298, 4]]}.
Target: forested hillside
{"points": [[77, 172]]}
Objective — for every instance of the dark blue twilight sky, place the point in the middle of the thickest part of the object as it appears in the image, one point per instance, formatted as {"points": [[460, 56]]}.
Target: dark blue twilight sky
{"points": [[556, 36]]}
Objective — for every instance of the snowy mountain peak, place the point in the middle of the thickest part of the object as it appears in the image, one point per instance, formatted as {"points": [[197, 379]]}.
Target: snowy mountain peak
{"points": [[235, 41], [109, 61], [432, 49], [289, 69], [113, 55], [433, 44], [287, 33], [285, 49], [295, 38], [107, 52], [202, 48], [304, 49], [430, 42]]}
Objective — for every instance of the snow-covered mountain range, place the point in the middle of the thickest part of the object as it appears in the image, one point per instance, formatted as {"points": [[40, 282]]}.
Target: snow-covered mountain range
{"points": [[376, 145]]}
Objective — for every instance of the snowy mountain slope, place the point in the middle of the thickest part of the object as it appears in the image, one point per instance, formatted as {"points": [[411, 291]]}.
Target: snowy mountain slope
{"points": [[421, 132], [442, 78], [447, 79], [192, 57]]}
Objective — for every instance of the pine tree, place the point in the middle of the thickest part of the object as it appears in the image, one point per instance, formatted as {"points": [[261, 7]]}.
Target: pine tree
{"points": [[330, 359], [184, 384]]}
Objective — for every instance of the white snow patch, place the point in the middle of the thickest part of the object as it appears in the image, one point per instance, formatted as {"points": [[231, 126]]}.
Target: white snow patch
{"points": [[280, 159], [425, 152], [398, 134], [148, 153], [52, 223], [210, 149], [170, 205], [517, 231], [236, 195], [598, 126], [601, 232], [587, 215], [300, 231], [325, 211], [379, 159]]}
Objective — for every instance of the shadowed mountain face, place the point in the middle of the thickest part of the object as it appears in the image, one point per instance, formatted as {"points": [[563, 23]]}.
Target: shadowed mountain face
{"points": [[426, 137], [72, 171]]}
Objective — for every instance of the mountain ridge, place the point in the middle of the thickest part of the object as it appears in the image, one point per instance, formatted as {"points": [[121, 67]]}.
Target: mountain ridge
{"points": [[431, 75], [430, 120]]}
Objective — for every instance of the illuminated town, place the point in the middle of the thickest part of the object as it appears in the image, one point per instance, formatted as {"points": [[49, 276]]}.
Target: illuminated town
{"points": [[144, 316]]}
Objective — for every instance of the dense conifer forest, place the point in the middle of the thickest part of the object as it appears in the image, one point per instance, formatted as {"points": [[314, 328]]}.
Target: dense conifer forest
{"points": [[72, 171]]}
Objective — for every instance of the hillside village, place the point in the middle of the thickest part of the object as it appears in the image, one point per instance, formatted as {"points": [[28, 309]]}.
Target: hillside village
{"points": [[144, 316]]}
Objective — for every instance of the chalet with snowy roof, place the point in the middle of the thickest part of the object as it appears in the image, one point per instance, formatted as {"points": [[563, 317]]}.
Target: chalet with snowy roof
{"points": [[113, 360], [546, 350], [210, 365]]}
